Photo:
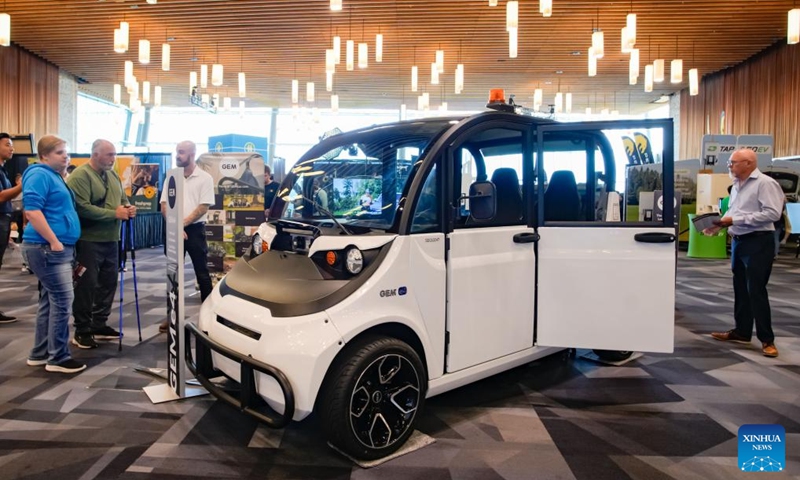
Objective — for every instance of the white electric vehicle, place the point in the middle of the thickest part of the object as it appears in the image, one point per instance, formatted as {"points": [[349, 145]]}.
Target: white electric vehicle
{"points": [[405, 260]]}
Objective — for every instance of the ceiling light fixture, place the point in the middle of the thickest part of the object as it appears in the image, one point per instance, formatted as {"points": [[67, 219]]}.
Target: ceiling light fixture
{"points": [[363, 50], [157, 96], [5, 29], [414, 72], [295, 86], [694, 78], [144, 48], [336, 5], [459, 82], [217, 72], [633, 67], [793, 27], [592, 62], [676, 67], [165, 53], [512, 15], [378, 46], [598, 41], [124, 31], [203, 75], [492, 3], [513, 43], [117, 94], [658, 67], [242, 83], [630, 23], [546, 7], [349, 45]]}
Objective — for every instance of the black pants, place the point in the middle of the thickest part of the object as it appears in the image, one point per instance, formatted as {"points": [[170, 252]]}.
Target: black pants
{"points": [[94, 291], [197, 248], [5, 234], [751, 262]]}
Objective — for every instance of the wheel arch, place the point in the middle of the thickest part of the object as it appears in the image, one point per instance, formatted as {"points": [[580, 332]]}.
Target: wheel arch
{"points": [[396, 330]]}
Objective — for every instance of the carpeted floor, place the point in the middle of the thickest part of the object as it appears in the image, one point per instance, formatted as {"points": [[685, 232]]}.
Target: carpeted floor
{"points": [[659, 416]]}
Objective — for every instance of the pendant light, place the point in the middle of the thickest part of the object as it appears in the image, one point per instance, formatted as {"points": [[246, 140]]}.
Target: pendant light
{"points": [[434, 74], [633, 67], [144, 48], [630, 23], [363, 53], [165, 52], [658, 67], [310, 92], [648, 78], [349, 45], [512, 15], [337, 49], [203, 75], [793, 27], [5, 29], [117, 94], [537, 99], [598, 41], [334, 103], [459, 82], [295, 86], [128, 75], [414, 73], [546, 7], [119, 45], [568, 103], [513, 43], [694, 78], [328, 81], [124, 34], [439, 57], [217, 72], [592, 62], [676, 67], [379, 47], [192, 83], [146, 91], [242, 83], [205, 99], [336, 5], [492, 3], [157, 96]]}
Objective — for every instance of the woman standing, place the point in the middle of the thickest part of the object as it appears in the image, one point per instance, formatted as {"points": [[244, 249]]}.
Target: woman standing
{"points": [[50, 249]]}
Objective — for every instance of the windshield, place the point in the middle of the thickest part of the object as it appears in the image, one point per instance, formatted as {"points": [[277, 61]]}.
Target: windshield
{"points": [[359, 178]]}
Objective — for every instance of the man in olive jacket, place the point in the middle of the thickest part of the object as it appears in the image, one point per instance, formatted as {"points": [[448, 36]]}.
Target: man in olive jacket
{"points": [[102, 204]]}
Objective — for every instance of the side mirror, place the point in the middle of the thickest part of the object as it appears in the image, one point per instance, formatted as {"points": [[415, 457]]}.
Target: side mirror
{"points": [[482, 200]]}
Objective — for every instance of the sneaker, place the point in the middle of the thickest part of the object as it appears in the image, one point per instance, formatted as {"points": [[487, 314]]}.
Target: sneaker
{"points": [[730, 336], [7, 318], [67, 366], [105, 333], [84, 340], [33, 362], [769, 349]]}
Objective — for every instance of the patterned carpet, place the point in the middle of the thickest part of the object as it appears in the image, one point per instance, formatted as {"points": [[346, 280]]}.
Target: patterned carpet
{"points": [[657, 417]]}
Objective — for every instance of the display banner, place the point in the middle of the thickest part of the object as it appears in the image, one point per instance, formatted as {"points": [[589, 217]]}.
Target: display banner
{"points": [[238, 209], [717, 150], [644, 147], [631, 151], [142, 187], [761, 144], [175, 295]]}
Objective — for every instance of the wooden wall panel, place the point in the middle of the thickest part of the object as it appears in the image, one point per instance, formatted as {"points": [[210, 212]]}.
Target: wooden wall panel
{"points": [[760, 96], [28, 93]]}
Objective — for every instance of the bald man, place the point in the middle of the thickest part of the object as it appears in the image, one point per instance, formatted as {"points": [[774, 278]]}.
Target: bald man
{"points": [[102, 204], [756, 203]]}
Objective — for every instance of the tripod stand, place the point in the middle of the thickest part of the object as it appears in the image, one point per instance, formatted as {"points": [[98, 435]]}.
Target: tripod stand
{"points": [[127, 244]]}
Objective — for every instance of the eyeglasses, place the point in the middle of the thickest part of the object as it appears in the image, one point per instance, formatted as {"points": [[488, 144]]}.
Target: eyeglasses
{"points": [[731, 164]]}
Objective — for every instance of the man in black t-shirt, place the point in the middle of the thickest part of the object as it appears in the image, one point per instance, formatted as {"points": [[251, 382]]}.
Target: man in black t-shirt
{"points": [[270, 189], [7, 192]]}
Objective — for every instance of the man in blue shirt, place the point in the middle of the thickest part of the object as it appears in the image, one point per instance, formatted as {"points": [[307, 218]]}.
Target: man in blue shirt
{"points": [[7, 193], [756, 203]]}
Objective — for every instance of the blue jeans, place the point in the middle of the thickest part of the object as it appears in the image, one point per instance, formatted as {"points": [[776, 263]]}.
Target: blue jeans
{"points": [[54, 271]]}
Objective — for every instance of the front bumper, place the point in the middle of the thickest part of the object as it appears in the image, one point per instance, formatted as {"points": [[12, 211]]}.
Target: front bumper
{"points": [[247, 399]]}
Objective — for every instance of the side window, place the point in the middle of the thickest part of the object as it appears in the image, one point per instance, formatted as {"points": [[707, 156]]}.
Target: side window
{"points": [[567, 162], [427, 213], [494, 155]]}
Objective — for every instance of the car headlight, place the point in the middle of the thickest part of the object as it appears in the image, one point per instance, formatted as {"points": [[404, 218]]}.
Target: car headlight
{"points": [[258, 246], [354, 261]]}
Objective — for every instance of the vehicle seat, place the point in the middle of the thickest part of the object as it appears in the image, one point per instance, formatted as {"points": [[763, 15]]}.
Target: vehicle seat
{"points": [[509, 197], [561, 200]]}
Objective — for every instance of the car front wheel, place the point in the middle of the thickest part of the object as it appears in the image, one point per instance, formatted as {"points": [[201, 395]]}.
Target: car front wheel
{"points": [[372, 397]]}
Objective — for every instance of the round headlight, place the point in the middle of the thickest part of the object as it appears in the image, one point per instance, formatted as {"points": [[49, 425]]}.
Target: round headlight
{"points": [[354, 261], [257, 245]]}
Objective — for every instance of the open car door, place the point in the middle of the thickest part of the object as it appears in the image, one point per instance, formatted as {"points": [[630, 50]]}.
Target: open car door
{"points": [[605, 279]]}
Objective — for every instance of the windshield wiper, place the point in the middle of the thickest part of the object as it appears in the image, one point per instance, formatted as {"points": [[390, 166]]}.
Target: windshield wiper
{"points": [[330, 215]]}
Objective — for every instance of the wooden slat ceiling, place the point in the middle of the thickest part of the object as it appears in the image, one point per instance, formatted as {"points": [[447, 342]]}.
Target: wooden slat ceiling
{"points": [[274, 41]]}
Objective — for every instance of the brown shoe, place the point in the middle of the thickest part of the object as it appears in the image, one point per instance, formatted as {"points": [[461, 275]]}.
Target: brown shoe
{"points": [[162, 328], [730, 336], [769, 350]]}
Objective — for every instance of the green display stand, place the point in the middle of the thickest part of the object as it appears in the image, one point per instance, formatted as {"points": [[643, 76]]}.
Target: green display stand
{"points": [[703, 246]]}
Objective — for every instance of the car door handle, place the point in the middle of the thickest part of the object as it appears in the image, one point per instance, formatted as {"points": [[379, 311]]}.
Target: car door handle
{"points": [[654, 237], [526, 237]]}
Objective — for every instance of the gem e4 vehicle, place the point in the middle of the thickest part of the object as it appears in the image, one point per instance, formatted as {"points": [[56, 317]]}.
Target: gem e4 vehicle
{"points": [[405, 260]]}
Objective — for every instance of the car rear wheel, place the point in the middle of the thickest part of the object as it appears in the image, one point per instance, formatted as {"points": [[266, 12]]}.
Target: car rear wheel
{"points": [[372, 397], [613, 355]]}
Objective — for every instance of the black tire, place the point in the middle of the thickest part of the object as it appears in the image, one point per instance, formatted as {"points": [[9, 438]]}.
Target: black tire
{"points": [[372, 396], [613, 355]]}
